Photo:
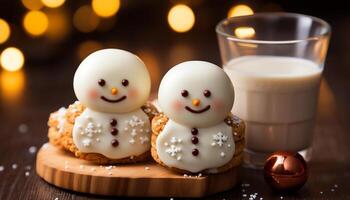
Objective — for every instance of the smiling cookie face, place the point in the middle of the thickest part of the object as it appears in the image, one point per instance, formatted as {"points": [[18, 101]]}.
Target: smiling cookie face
{"points": [[112, 80], [196, 94]]}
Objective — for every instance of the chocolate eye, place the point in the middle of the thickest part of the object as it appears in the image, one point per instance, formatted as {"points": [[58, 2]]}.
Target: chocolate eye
{"points": [[125, 82], [102, 82], [184, 93], [207, 93]]}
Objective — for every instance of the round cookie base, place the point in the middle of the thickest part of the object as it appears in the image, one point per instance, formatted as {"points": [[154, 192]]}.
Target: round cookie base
{"points": [[60, 168]]}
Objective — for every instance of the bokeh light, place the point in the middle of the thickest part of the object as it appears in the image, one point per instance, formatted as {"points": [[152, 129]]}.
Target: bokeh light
{"points": [[4, 31], [12, 85], [35, 22], [32, 4], [181, 18], [240, 10], [59, 26], [105, 8], [244, 32], [12, 59], [53, 3], [85, 20], [87, 47]]}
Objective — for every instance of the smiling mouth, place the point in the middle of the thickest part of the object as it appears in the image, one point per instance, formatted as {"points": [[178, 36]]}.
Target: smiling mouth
{"points": [[198, 111], [113, 100]]}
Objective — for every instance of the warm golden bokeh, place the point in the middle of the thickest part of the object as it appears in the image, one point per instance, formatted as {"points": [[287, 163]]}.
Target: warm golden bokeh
{"points": [[53, 3], [35, 22], [12, 85], [240, 10], [59, 24], [32, 4], [85, 20], [181, 18], [244, 32], [88, 47], [105, 8], [152, 64], [12, 59], [5, 31]]}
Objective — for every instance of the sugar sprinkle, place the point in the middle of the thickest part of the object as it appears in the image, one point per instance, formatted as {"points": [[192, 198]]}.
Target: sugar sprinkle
{"points": [[23, 128], [14, 166], [26, 173]]}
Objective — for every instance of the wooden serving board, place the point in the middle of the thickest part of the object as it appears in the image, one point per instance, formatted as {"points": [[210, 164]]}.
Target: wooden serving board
{"points": [[63, 170]]}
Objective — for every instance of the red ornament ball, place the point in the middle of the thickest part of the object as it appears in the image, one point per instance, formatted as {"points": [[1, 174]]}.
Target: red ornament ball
{"points": [[285, 171]]}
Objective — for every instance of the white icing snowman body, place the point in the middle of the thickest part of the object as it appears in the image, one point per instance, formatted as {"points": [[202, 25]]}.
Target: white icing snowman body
{"points": [[196, 96], [113, 84], [215, 145], [96, 132]]}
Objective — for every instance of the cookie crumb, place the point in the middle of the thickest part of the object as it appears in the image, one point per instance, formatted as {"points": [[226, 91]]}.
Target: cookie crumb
{"points": [[26, 173], [321, 192], [147, 168], [109, 167], [93, 169], [32, 149], [2, 168]]}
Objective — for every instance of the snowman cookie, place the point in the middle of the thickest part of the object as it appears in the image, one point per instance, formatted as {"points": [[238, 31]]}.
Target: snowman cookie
{"points": [[196, 131], [111, 121]]}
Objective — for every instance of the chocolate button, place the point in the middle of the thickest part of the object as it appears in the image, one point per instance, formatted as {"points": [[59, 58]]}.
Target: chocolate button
{"points": [[113, 122], [114, 142], [114, 131], [194, 131], [194, 140], [195, 152]]}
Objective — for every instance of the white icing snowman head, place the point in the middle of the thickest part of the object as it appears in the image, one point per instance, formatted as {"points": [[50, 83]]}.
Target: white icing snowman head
{"points": [[196, 94], [112, 80]]}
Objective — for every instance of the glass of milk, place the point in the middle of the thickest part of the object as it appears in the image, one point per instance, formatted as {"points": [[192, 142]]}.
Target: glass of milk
{"points": [[275, 62]]}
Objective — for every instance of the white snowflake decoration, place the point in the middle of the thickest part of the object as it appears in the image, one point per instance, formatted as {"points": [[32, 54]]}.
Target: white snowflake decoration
{"points": [[133, 132], [219, 139], [92, 129], [173, 150], [144, 139], [135, 121], [86, 142], [132, 141]]}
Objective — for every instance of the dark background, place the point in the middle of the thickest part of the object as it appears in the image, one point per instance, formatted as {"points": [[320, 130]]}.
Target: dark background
{"points": [[45, 84]]}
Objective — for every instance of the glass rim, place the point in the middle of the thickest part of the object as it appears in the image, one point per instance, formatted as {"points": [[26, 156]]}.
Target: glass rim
{"points": [[322, 22]]}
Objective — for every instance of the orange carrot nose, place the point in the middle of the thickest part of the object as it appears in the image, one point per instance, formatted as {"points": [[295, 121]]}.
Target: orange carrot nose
{"points": [[114, 91], [196, 102]]}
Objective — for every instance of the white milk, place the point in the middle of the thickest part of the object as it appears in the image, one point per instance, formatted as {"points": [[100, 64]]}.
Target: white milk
{"points": [[277, 97]]}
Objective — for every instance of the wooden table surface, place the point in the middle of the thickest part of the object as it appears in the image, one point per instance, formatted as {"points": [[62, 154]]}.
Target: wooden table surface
{"points": [[25, 109]]}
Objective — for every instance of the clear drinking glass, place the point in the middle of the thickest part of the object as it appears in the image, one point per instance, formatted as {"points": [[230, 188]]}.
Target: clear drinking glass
{"points": [[274, 61]]}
